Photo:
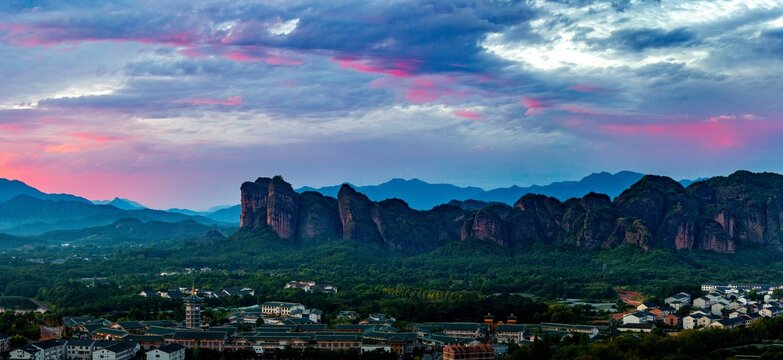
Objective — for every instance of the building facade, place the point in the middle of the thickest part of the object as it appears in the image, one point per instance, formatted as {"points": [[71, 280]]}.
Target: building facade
{"points": [[463, 352], [167, 352]]}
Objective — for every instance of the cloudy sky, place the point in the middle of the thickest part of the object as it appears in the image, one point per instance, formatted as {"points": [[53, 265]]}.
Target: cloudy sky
{"points": [[175, 103]]}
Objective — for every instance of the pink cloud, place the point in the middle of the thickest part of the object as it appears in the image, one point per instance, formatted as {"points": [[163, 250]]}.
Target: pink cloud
{"points": [[34, 35], [468, 114], [240, 57], [423, 90], [15, 128], [585, 88], [67, 148], [191, 52], [582, 109], [231, 101], [269, 58], [707, 134], [534, 106], [400, 68], [95, 137]]}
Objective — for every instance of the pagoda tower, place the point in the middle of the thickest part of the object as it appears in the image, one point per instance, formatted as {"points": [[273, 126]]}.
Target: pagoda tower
{"points": [[193, 310]]}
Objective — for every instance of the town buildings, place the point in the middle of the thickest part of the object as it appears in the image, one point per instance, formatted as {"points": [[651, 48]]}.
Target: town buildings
{"points": [[470, 352], [117, 351], [44, 350]]}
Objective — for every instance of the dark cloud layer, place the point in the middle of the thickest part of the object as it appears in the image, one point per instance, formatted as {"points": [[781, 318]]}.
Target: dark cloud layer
{"points": [[642, 39]]}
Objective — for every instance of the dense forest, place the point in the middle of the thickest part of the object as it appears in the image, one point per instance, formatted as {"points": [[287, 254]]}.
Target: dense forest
{"points": [[462, 281]]}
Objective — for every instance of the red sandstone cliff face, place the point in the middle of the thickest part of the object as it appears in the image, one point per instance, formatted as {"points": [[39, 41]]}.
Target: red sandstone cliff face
{"points": [[486, 225], [726, 222], [589, 221], [356, 216], [319, 219], [282, 208], [254, 202], [715, 238], [536, 218], [270, 202]]}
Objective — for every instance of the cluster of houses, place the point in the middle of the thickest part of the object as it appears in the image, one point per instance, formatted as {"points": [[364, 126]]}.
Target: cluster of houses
{"points": [[97, 338], [722, 306], [80, 349], [277, 313], [206, 293], [311, 287], [187, 270]]}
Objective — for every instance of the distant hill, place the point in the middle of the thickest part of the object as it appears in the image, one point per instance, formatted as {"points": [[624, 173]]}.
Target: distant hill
{"points": [[10, 242], [423, 196], [132, 231], [26, 215], [418, 194], [603, 183], [10, 189], [121, 203], [226, 214]]}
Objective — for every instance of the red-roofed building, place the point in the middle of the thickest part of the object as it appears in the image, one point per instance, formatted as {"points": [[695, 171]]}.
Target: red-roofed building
{"points": [[672, 320], [618, 316], [462, 352]]}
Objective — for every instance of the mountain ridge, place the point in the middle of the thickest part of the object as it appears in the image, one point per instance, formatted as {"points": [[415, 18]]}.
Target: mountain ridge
{"points": [[120, 203], [27, 215], [717, 214], [10, 189], [422, 195]]}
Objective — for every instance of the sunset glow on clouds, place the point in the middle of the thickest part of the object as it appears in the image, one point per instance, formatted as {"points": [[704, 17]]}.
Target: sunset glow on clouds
{"points": [[176, 103]]}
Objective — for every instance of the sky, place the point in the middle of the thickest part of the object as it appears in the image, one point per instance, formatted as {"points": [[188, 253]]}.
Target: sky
{"points": [[176, 103]]}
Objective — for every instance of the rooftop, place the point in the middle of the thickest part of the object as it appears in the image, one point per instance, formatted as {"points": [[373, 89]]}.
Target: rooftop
{"points": [[171, 348]]}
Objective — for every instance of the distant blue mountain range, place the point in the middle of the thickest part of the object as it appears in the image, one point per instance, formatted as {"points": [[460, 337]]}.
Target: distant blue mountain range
{"points": [[422, 195], [10, 189], [120, 203], [27, 211]]}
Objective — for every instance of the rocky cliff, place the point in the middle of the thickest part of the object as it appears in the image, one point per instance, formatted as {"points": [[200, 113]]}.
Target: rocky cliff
{"points": [[719, 214], [310, 217], [270, 202]]}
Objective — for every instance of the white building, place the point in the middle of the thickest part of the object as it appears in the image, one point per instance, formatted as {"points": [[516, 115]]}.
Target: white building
{"points": [[77, 349], [167, 352], [510, 332], [679, 297], [45, 350], [701, 302], [118, 351], [274, 308], [695, 320], [313, 314], [638, 317], [717, 309]]}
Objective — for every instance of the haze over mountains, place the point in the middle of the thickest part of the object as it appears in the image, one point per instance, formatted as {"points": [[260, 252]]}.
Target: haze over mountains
{"points": [[30, 213]]}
